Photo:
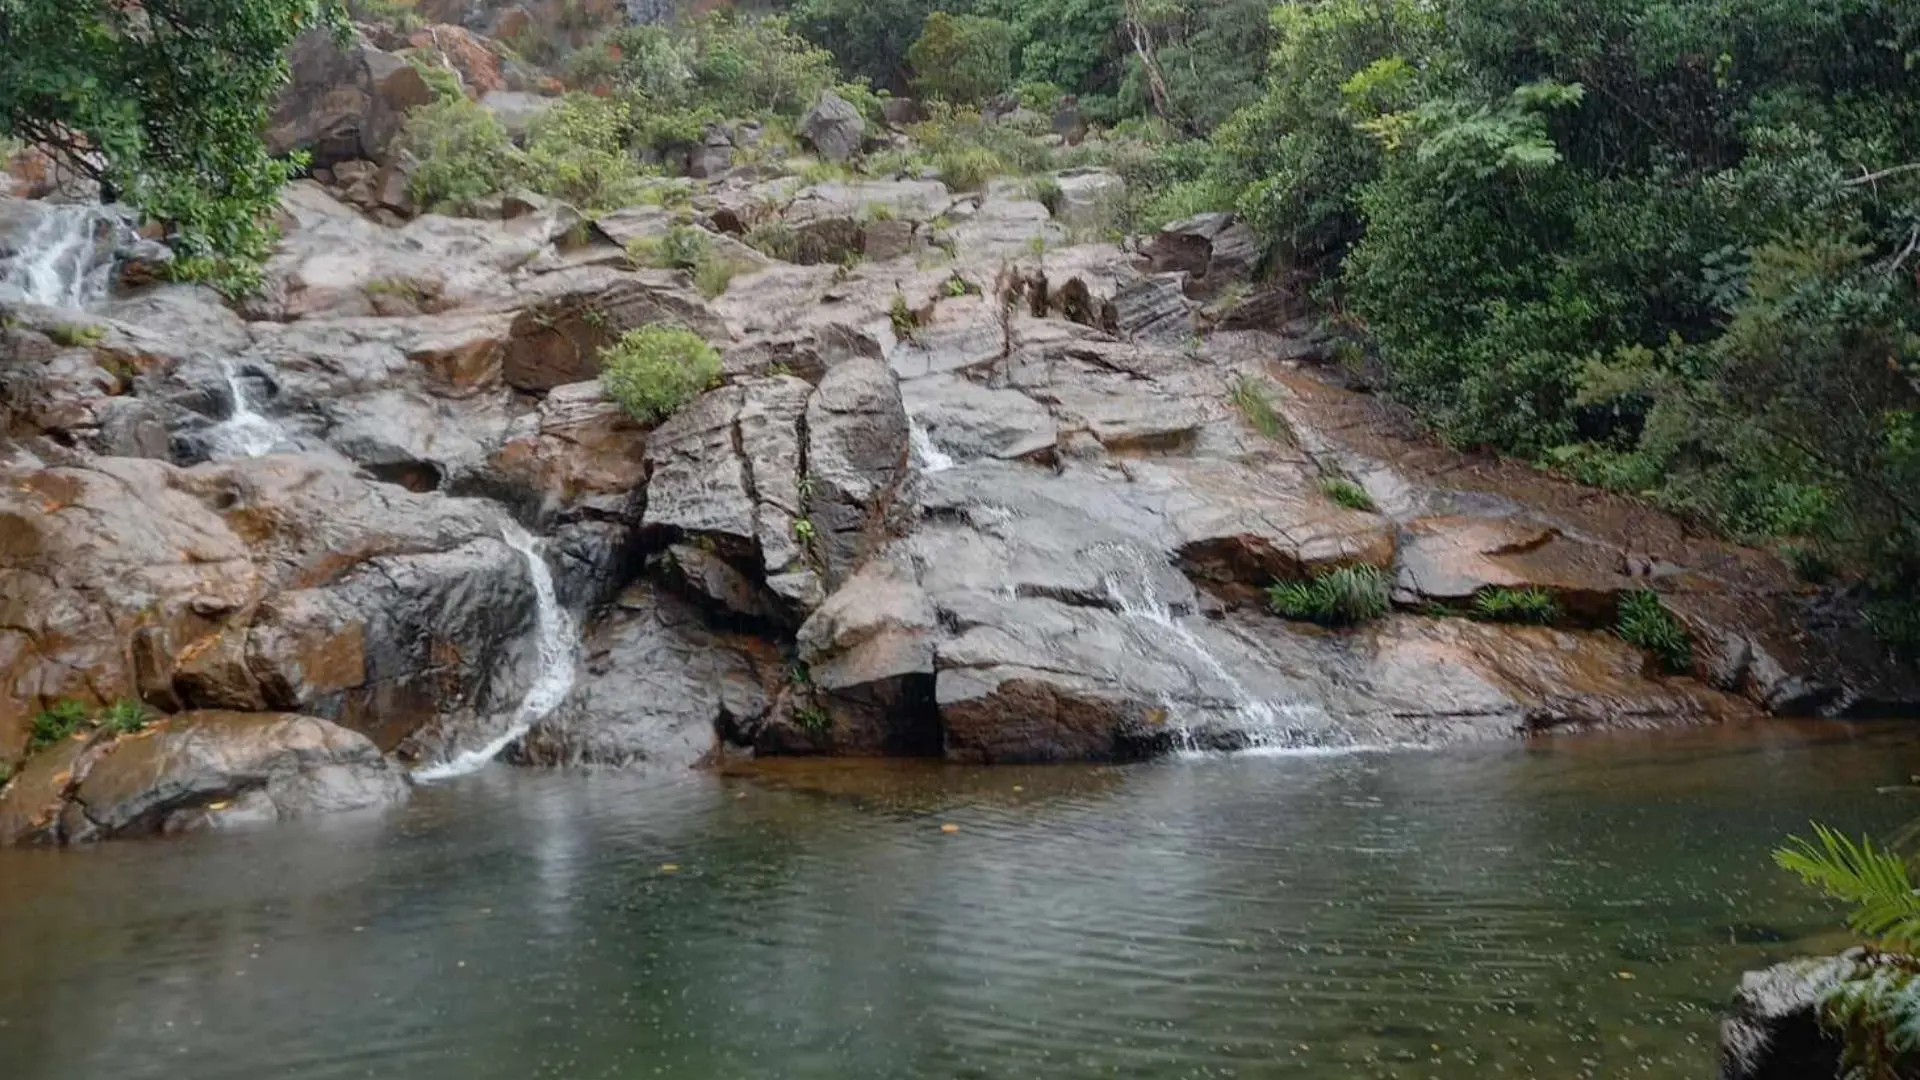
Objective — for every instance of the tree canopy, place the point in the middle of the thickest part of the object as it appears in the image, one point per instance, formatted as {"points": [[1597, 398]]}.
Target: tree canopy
{"points": [[163, 102]]}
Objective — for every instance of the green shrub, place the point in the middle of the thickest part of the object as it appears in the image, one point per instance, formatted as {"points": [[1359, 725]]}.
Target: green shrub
{"points": [[653, 371], [60, 721], [442, 80], [774, 239], [962, 58], [1529, 605], [464, 154], [967, 168], [1348, 494], [124, 717], [712, 274], [77, 335], [577, 153], [1250, 397], [1645, 622], [1342, 597], [812, 719], [1046, 192], [906, 325]]}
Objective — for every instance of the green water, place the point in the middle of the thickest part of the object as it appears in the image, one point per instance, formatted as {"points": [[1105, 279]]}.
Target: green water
{"points": [[1574, 908]]}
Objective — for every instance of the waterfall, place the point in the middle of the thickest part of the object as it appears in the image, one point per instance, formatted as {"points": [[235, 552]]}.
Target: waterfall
{"points": [[558, 645], [1139, 600], [58, 255], [932, 459], [244, 433]]}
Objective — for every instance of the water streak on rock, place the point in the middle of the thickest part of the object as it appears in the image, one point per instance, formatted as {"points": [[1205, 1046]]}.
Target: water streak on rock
{"points": [[559, 646]]}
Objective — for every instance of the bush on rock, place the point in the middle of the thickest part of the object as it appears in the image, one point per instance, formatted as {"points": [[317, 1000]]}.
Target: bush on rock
{"points": [[653, 371]]}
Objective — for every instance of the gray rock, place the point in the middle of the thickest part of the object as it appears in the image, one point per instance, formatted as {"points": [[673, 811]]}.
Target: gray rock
{"points": [[857, 455], [658, 688], [1774, 1031], [1091, 200], [834, 128], [194, 771], [1215, 250]]}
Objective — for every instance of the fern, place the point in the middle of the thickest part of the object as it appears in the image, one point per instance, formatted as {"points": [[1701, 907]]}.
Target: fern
{"points": [[1875, 881], [1875, 1007]]}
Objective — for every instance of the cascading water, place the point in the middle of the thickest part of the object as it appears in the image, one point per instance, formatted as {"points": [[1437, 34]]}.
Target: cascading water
{"points": [[932, 459], [245, 432], [1138, 599], [558, 642], [60, 255]]}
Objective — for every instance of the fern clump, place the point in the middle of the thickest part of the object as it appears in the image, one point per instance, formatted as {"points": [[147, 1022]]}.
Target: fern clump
{"points": [[1646, 622], [1529, 605], [1348, 494], [1343, 597], [1875, 1007]]}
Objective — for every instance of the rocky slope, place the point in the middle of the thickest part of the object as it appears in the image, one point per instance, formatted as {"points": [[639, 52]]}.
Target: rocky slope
{"points": [[1025, 523]]}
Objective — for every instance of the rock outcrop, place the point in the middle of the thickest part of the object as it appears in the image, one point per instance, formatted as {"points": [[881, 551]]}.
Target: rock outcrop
{"points": [[1001, 492], [197, 770], [1774, 1030]]}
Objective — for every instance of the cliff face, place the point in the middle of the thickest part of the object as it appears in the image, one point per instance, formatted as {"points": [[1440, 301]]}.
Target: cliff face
{"points": [[969, 488]]}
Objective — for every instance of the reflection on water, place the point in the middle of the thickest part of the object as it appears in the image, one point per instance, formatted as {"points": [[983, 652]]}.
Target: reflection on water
{"points": [[1571, 908]]}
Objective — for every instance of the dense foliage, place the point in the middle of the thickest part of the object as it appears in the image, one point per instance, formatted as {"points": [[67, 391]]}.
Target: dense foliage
{"points": [[1668, 246], [962, 58], [163, 103]]}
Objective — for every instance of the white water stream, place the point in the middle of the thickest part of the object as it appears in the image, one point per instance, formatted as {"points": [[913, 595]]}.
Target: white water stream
{"points": [[245, 433], [61, 255], [932, 459], [559, 643]]}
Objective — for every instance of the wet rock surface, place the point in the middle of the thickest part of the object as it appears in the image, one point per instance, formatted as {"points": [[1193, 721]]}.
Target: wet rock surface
{"points": [[1774, 1031], [990, 494], [197, 770]]}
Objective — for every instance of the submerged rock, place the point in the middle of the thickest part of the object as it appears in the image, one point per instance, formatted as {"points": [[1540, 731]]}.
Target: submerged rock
{"points": [[194, 771]]}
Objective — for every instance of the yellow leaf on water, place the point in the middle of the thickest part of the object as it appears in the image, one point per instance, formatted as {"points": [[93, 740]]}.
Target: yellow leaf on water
{"points": [[949, 828], [1623, 975], [221, 805], [669, 868]]}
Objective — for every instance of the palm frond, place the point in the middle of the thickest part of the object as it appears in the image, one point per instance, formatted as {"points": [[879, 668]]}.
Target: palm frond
{"points": [[1874, 880]]}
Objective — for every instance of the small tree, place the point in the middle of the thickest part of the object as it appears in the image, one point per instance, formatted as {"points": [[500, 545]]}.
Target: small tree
{"points": [[163, 103], [463, 151], [962, 58], [653, 371]]}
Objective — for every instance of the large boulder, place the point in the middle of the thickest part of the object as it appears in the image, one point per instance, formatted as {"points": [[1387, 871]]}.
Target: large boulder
{"points": [[1774, 1030], [344, 102], [286, 582], [834, 128], [197, 770], [659, 687], [556, 339], [1214, 250], [1091, 200]]}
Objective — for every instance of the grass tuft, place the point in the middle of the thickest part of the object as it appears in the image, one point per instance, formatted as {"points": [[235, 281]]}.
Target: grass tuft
{"points": [[1343, 597], [1529, 605], [1646, 623]]}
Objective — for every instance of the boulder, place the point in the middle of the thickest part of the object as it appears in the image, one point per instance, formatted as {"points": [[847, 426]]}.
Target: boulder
{"points": [[343, 102], [1091, 200], [579, 455], [464, 52], [1774, 1029], [659, 687], [557, 338], [900, 112], [285, 582], [1215, 250], [834, 129], [869, 657], [194, 771]]}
